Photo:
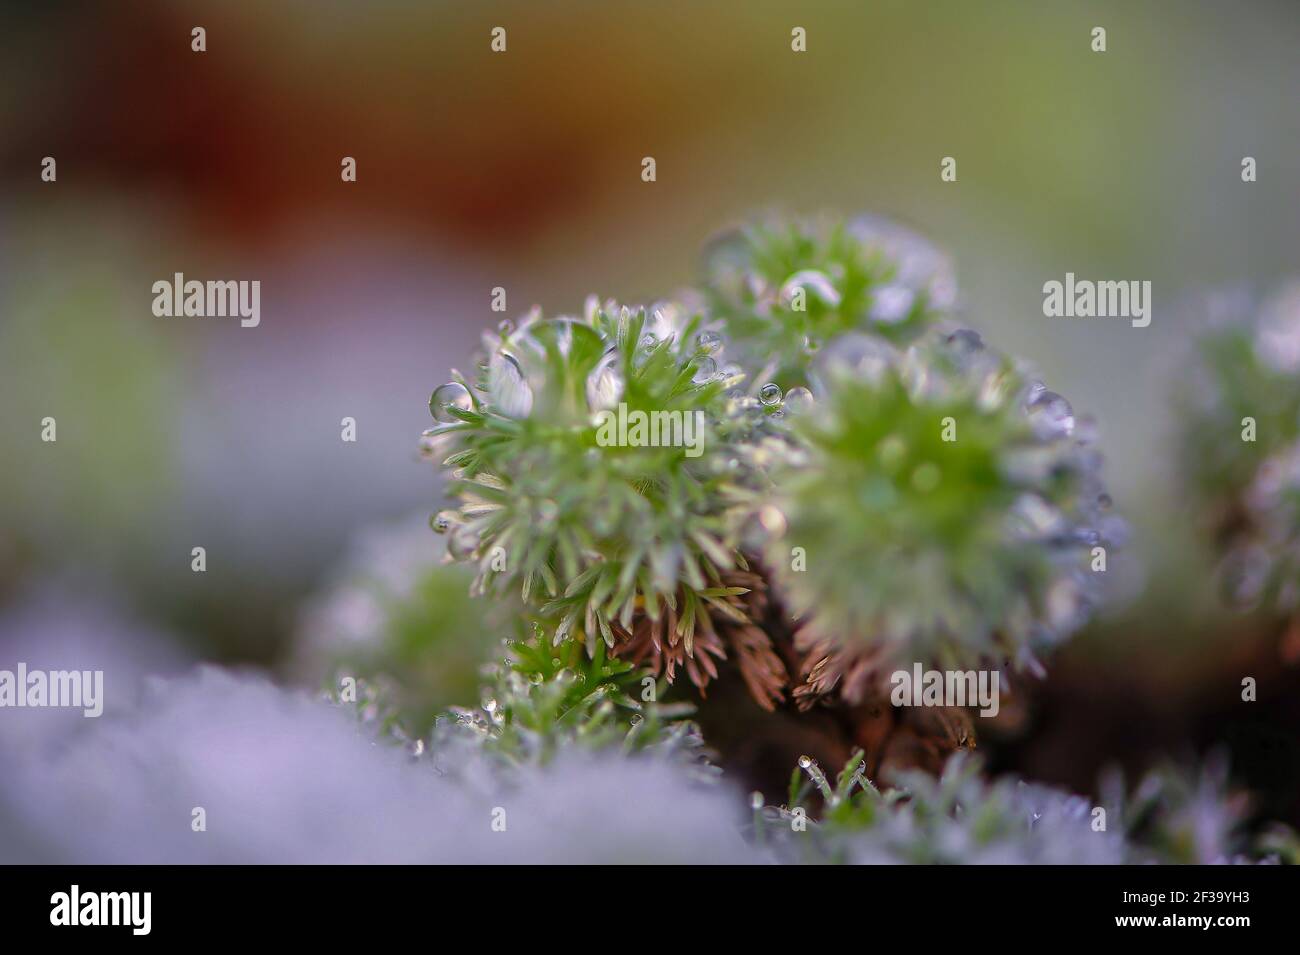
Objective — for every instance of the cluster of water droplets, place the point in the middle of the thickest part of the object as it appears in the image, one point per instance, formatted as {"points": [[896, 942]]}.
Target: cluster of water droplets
{"points": [[949, 364], [508, 390]]}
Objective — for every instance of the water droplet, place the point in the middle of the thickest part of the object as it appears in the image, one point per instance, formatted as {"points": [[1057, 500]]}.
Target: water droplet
{"points": [[505, 326], [511, 394], [995, 388], [731, 374], [892, 304], [710, 342], [770, 393], [919, 265], [605, 383], [451, 395], [964, 342], [805, 762], [443, 521], [1113, 530], [1033, 518], [462, 543], [798, 400], [766, 524], [811, 280], [705, 369], [857, 354], [1086, 536], [1050, 415], [756, 800], [658, 326]]}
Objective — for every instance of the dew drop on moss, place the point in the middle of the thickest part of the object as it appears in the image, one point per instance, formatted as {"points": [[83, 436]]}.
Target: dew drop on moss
{"points": [[892, 303], [605, 383], [1051, 415], [451, 395], [710, 342], [705, 369], [510, 391], [798, 400]]}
